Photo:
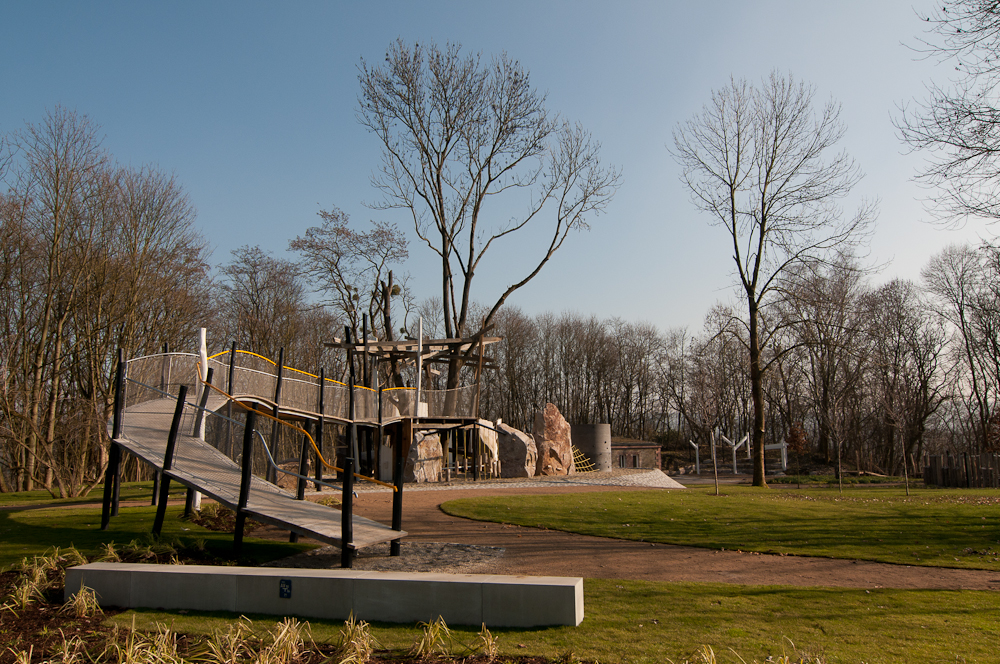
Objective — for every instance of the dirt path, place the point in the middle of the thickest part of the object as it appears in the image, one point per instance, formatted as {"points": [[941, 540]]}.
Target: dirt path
{"points": [[547, 552]]}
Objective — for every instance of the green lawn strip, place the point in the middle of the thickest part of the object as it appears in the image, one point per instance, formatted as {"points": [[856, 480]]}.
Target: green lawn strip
{"points": [[841, 625], [832, 479], [130, 491], [941, 528], [31, 531]]}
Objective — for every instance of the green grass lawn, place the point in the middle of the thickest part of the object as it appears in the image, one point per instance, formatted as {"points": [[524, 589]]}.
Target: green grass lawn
{"points": [[130, 491], [934, 527], [31, 530], [639, 621]]}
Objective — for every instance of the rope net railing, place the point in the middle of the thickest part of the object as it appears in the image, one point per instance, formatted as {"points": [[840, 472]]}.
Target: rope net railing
{"points": [[255, 378], [159, 377]]}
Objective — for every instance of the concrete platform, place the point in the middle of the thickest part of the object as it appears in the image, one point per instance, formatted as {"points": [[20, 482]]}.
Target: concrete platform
{"points": [[461, 599]]}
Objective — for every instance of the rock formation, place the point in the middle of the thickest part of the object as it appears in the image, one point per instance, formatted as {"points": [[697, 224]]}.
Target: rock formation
{"points": [[491, 464], [516, 451], [554, 443], [423, 463]]}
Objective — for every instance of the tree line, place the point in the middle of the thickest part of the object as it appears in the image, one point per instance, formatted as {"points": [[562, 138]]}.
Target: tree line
{"points": [[878, 374], [96, 256]]}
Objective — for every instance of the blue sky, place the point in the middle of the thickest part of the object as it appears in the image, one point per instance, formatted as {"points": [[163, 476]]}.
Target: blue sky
{"points": [[252, 106]]}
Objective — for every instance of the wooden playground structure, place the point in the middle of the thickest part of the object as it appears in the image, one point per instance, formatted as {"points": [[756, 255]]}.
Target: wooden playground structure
{"points": [[223, 441]]}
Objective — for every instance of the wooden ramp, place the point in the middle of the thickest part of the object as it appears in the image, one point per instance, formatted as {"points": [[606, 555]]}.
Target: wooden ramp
{"points": [[199, 466]]}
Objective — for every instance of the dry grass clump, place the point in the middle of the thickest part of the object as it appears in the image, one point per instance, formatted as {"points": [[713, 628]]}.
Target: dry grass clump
{"points": [[83, 604], [356, 644], [40, 576], [436, 639]]}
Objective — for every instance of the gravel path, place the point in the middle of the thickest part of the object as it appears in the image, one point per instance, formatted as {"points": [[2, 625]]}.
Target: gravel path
{"points": [[653, 479]]}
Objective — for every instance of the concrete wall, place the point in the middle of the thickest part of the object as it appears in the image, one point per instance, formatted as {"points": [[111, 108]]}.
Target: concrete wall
{"points": [[461, 599], [594, 440]]}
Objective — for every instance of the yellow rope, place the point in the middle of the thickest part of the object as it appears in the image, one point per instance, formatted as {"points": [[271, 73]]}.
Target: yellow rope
{"points": [[582, 462], [304, 373], [312, 442]]}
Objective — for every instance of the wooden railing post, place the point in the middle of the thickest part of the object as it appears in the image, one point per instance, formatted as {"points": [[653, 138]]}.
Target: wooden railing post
{"points": [[318, 471], [245, 479], [346, 516], [397, 495], [168, 460]]}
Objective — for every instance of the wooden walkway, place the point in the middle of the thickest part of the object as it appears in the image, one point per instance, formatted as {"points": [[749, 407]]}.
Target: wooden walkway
{"points": [[201, 467]]}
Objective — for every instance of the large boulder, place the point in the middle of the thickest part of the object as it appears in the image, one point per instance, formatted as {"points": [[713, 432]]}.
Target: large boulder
{"points": [[488, 437], [516, 451], [423, 463], [554, 443]]}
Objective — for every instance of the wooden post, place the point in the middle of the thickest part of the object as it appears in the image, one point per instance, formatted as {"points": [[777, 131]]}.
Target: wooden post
{"points": [[199, 417], [246, 476], [476, 452], [112, 475], [119, 414], [272, 473], [318, 470], [346, 516], [168, 460], [352, 442], [300, 488], [114, 461], [397, 495], [229, 404], [300, 484]]}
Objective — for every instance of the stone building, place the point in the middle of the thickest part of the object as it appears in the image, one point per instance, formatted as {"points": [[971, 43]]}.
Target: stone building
{"points": [[627, 453]]}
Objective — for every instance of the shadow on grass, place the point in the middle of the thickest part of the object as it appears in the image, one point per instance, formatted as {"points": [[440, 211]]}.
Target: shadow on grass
{"points": [[31, 531]]}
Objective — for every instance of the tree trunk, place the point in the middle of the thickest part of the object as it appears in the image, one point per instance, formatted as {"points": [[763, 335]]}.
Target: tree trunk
{"points": [[757, 396]]}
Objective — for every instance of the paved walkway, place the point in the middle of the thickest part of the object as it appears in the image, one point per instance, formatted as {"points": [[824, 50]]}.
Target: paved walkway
{"points": [[548, 552]]}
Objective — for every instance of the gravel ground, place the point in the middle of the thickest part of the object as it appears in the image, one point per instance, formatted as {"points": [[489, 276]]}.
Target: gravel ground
{"points": [[654, 479]]}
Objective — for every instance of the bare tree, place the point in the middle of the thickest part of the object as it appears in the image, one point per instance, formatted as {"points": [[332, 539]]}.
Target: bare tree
{"points": [[456, 134], [759, 161], [352, 268], [820, 303], [904, 348], [958, 124], [94, 257], [965, 283], [261, 300]]}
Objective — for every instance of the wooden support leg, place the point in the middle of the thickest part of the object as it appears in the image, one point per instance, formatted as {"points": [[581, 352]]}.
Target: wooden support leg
{"points": [[161, 508], [114, 461], [346, 516], [397, 496], [168, 460], [246, 475]]}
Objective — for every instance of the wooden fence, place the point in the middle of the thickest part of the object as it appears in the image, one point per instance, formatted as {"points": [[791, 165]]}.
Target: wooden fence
{"points": [[962, 470]]}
